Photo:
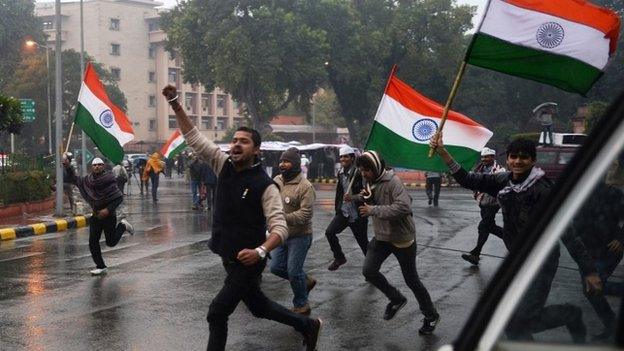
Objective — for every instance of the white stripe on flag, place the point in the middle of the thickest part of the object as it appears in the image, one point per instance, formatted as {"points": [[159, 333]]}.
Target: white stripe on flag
{"points": [[519, 26], [401, 120], [95, 107]]}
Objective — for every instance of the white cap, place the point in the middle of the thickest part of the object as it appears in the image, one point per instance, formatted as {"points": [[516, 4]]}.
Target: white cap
{"points": [[346, 150], [97, 161], [487, 152]]}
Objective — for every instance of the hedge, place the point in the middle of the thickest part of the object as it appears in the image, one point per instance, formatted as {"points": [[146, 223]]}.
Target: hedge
{"points": [[24, 187]]}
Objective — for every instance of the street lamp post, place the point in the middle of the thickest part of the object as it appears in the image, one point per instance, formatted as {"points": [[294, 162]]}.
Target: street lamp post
{"points": [[47, 50], [58, 113]]}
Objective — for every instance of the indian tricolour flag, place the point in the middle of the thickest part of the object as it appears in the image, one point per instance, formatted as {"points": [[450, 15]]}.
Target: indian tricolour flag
{"points": [[174, 145], [565, 43], [406, 121], [106, 124]]}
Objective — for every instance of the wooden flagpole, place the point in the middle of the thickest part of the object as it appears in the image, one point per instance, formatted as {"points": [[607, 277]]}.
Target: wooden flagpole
{"points": [[449, 102], [71, 130]]}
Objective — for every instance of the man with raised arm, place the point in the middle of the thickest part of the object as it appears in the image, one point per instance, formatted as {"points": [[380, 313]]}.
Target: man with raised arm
{"points": [[248, 204]]}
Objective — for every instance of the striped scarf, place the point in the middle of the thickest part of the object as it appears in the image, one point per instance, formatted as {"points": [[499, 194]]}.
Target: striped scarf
{"points": [[378, 169]]}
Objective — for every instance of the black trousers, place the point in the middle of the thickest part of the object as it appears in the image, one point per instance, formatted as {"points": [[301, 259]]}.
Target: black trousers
{"points": [[605, 264], [378, 252], [112, 233], [340, 223], [432, 188], [242, 283], [532, 315], [486, 227], [155, 178]]}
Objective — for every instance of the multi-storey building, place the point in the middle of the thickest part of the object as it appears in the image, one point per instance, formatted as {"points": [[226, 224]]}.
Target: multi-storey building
{"points": [[125, 36]]}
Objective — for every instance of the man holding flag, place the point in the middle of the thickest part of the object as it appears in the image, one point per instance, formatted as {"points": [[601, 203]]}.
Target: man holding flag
{"points": [[519, 192]]}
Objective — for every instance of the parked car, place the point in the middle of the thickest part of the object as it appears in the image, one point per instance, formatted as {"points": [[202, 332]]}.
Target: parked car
{"points": [[577, 207]]}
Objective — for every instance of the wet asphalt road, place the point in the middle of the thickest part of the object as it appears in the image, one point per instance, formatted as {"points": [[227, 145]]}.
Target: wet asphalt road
{"points": [[162, 279]]}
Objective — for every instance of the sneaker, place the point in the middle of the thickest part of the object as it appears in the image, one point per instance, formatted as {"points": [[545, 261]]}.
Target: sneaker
{"points": [[194, 207], [472, 258], [129, 227], [429, 324], [310, 283], [304, 310], [337, 263], [393, 307], [430, 201], [311, 338], [98, 271]]}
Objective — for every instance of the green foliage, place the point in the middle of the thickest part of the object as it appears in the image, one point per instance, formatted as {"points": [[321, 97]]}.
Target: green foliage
{"points": [[30, 80], [327, 110], [24, 186], [18, 24], [259, 51], [424, 38], [10, 115], [596, 110]]}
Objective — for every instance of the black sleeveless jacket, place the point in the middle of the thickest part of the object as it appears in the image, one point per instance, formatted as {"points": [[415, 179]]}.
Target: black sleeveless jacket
{"points": [[239, 220]]}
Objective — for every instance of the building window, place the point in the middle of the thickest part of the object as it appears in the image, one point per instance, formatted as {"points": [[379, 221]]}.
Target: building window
{"points": [[152, 125], [116, 73], [151, 77], [191, 103], [48, 23], [206, 122], [221, 101], [193, 120], [207, 104], [152, 51], [153, 26], [173, 76], [114, 24], [173, 123], [222, 123], [152, 101], [115, 49]]}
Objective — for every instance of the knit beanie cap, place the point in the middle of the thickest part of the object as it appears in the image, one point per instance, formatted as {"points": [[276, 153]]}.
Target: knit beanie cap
{"points": [[292, 155]]}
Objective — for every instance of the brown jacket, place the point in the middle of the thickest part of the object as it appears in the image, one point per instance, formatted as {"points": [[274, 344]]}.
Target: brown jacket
{"points": [[298, 199]]}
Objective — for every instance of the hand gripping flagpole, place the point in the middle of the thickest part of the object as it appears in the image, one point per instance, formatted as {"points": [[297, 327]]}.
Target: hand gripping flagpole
{"points": [[449, 101]]}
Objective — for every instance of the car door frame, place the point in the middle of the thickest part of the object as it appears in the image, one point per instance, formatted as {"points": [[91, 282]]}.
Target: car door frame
{"points": [[495, 307]]}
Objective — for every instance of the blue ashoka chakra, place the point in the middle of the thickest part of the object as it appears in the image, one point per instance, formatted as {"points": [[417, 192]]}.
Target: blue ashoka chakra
{"points": [[550, 35], [424, 129], [107, 118]]}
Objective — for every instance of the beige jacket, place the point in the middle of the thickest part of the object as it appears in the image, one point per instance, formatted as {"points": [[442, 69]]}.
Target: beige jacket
{"points": [[271, 200], [298, 199]]}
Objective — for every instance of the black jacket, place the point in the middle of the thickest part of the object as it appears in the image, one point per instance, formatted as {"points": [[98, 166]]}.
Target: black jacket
{"points": [[356, 188], [518, 210], [598, 221]]}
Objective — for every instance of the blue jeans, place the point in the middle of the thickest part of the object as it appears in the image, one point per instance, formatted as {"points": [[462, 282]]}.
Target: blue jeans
{"points": [[287, 262], [195, 185]]}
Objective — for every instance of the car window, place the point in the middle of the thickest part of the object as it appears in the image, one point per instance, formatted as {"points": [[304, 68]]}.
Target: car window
{"points": [[576, 295], [565, 157], [546, 157]]}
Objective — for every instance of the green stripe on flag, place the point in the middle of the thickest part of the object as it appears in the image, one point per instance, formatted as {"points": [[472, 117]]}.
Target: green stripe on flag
{"points": [[399, 152], [561, 71], [106, 142], [177, 150]]}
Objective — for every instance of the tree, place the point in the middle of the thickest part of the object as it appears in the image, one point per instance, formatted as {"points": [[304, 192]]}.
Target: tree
{"points": [[18, 23], [596, 110], [368, 37], [259, 51], [10, 115], [327, 110], [30, 79]]}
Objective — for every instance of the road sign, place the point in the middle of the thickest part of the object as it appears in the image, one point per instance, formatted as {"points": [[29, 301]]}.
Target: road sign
{"points": [[28, 109]]}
